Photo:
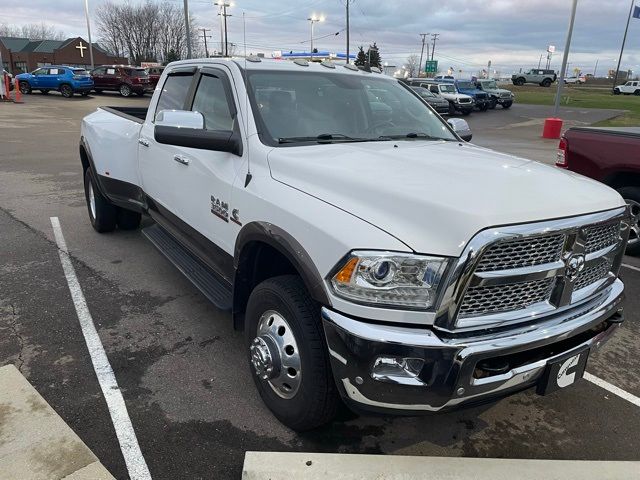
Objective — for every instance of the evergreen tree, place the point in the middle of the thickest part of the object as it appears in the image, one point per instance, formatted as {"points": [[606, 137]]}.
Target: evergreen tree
{"points": [[373, 56], [172, 56], [361, 58]]}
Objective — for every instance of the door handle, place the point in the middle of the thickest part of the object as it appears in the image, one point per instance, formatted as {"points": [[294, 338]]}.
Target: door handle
{"points": [[144, 142], [181, 159]]}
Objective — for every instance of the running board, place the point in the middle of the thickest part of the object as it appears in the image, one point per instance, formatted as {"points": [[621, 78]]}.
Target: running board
{"points": [[208, 282]]}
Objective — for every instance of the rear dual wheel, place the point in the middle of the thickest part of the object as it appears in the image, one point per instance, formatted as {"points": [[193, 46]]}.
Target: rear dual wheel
{"points": [[105, 216]]}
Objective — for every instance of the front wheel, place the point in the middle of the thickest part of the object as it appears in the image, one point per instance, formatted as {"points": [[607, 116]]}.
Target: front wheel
{"points": [[637, 92], [546, 83], [25, 88], [616, 92], [102, 213], [452, 109], [66, 91], [519, 81], [507, 105], [631, 195], [125, 90], [493, 104], [287, 353]]}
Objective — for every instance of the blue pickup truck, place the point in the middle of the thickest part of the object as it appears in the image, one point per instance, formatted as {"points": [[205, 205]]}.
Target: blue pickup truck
{"points": [[67, 80], [483, 100]]}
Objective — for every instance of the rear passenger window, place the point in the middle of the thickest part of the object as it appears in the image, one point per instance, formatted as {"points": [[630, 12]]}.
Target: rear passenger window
{"points": [[111, 71], [211, 101], [54, 71], [174, 92]]}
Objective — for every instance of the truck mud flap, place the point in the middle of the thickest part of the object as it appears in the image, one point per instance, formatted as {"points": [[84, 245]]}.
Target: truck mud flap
{"points": [[209, 283]]}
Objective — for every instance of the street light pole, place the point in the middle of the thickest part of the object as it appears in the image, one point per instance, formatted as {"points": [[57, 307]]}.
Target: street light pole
{"points": [[313, 19], [186, 27], [86, 14], [348, 1], [565, 56], [624, 40]]}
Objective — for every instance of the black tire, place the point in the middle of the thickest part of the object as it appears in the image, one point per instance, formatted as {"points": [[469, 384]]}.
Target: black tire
{"points": [[484, 107], [97, 90], [316, 400], [616, 91], [466, 112], [125, 90], [519, 81], [25, 88], [546, 83], [66, 91], [452, 109], [507, 105], [44, 91], [493, 104], [632, 196], [637, 92], [103, 216], [85, 94], [127, 219]]}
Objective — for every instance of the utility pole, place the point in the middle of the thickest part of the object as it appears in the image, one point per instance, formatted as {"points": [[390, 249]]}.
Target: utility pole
{"points": [[595, 68], [624, 40], [565, 56], [433, 50], [347, 4], [86, 13], [186, 27], [424, 36], [223, 26], [205, 36], [540, 61]]}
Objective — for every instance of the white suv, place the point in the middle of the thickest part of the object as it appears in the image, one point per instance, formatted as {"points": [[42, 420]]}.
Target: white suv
{"points": [[628, 88]]}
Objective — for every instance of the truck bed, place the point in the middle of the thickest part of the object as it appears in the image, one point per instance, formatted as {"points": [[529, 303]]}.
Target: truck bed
{"points": [[136, 114]]}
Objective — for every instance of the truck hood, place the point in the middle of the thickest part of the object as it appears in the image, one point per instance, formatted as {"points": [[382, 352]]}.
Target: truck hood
{"points": [[434, 196]]}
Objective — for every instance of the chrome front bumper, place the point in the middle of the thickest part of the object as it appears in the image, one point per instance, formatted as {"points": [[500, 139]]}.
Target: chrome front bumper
{"points": [[449, 377]]}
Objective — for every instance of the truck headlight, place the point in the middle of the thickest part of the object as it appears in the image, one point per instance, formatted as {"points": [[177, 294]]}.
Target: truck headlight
{"points": [[389, 279]]}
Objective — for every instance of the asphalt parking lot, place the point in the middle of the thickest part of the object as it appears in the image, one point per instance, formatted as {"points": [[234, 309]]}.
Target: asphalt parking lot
{"points": [[180, 365]]}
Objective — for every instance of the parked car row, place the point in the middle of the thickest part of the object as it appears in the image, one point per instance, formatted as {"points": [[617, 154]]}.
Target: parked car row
{"points": [[67, 80], [461, 96]]}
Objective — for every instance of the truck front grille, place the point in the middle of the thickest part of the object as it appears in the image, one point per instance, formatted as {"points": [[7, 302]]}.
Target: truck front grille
{"points": [[464, 100], [501, 298], [516, 273], [522, 253]]}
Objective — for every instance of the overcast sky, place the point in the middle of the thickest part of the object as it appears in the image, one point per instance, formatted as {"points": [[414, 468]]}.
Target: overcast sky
{"points": [[510, 33]]}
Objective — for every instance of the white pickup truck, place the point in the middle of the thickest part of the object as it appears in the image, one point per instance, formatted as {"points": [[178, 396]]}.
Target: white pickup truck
{"points": [[366, 250]]}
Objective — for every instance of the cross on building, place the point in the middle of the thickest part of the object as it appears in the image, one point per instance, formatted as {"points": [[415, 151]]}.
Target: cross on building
{"points": [[82, 48]]}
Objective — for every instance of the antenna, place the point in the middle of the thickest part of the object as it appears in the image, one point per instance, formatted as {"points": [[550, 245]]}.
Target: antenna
{"points": [[246, 101]]}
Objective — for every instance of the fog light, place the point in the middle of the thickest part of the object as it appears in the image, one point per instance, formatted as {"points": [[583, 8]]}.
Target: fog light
{"points": [[399, 370]]}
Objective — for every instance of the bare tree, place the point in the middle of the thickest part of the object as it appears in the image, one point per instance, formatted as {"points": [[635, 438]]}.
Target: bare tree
{"points": [[32, 31], [412, 65], [148, 31]]}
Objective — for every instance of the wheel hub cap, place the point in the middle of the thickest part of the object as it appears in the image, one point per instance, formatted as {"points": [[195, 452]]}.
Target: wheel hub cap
{"points": [[275, 356], [634, 234]]}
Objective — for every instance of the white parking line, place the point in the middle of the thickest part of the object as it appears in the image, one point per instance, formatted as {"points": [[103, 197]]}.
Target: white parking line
{"points": [[136, 464], [612, 388], [637, 269]]}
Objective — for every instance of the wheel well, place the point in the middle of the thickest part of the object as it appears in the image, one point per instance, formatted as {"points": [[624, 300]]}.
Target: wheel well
{"points": [[623, 179], [84, 158], [258, 261], [67, 84]]}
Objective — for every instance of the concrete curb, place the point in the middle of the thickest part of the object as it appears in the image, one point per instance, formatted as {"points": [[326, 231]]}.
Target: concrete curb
{"points": [[311, 466], [35, 443]]}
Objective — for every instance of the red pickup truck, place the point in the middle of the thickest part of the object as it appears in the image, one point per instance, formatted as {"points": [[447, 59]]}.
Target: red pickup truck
{"points": [[611, 156]]}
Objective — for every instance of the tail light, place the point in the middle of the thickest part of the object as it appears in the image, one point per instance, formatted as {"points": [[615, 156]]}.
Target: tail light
{"points": [[562, 157]]}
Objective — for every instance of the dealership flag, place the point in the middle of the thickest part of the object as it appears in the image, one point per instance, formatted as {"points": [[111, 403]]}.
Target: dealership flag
{"points": [[636, 12]]}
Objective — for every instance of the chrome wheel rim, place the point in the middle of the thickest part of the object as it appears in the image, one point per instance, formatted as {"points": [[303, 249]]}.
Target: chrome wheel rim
{"points": [[275, 356], [92, 201], [125, 91], [634, 231]]}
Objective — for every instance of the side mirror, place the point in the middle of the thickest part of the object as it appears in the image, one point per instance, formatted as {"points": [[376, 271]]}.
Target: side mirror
{"points": [[186, 129], [461, 127]]}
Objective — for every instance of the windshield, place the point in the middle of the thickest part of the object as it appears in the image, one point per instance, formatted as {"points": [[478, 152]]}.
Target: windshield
{"points": [[423, 92], [489, 85], [319, 107], [466, 85], [448, 89]]}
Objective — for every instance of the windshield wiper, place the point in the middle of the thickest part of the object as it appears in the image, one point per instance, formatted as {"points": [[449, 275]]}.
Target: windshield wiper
{"points": [[325, 138], [419, 135]]}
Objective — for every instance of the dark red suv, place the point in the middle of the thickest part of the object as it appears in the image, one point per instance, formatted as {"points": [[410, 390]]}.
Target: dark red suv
{"points": [[121, 78], [154, 75]]}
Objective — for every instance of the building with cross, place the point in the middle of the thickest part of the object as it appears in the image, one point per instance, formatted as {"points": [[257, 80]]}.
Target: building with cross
{"points": [[22, 55]]}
